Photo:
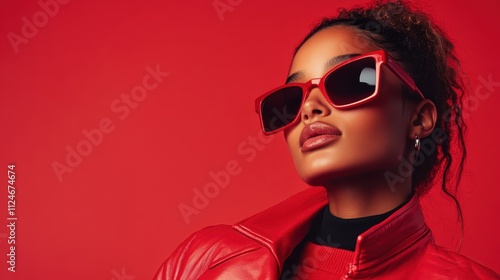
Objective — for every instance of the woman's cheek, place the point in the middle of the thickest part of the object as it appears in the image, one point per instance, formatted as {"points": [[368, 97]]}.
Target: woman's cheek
{"points": [[376, 135]]}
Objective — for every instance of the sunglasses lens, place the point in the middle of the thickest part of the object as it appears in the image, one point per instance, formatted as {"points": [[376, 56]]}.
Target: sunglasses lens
{"points": [[281, 107], [352, 82]]}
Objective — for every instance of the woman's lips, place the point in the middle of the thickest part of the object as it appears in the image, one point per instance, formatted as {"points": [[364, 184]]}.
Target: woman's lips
{"points": [[318, 142], [317, 135]]}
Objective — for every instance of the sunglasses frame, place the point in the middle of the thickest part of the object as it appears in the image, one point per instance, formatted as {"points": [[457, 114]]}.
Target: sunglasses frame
{"points": [[381, 58]]}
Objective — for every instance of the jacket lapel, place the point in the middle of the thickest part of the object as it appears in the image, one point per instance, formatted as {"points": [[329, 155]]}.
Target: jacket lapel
{"points": [[281, 227]]}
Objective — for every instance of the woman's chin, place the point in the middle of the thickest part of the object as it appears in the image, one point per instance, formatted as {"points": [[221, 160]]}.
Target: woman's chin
{"points": [[329, 177], [321, 178]]}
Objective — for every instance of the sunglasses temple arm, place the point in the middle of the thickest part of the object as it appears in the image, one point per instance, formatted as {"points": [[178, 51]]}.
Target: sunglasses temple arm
{"points": [[405, 77]]}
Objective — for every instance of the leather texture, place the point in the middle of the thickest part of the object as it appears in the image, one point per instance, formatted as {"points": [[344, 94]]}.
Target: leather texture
{"points": [[400, 247]]}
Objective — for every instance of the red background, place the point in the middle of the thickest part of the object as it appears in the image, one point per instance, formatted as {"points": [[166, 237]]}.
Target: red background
{"points": [[117, 213]]}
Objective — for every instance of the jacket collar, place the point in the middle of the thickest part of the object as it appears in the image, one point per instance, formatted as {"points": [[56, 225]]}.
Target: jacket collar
{"points": [[281, 227]]}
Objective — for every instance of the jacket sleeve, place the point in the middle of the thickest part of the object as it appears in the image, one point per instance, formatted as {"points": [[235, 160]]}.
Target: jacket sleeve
{"points": [[180, 264], [457, 266], [194, 256]]}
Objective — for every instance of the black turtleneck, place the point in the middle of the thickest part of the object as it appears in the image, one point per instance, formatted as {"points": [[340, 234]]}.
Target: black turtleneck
{"points": [[342, 233], [332, 231]]}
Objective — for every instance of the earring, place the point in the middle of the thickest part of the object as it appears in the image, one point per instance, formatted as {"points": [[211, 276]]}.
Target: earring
{"points": [[417, 143]]}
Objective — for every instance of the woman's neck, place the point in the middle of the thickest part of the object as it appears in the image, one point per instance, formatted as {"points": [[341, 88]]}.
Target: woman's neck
{"points": [[366, 194]]}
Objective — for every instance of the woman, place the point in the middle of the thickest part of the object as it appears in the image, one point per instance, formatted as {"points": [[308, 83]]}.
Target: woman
{"points": [[366, 92]]}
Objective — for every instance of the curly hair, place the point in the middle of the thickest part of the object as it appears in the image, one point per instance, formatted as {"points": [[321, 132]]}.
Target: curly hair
{"points": [[428, 55]]}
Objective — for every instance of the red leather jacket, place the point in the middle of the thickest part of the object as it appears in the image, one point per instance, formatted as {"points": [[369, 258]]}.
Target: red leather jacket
{"points": [[400, 247]]}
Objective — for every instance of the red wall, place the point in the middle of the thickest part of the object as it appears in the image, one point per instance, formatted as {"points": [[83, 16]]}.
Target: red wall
{"points": [[113, 213]]}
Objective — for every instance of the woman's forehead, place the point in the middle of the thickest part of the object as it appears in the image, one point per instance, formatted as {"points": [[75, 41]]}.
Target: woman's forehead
{"points": [[328, 47]]}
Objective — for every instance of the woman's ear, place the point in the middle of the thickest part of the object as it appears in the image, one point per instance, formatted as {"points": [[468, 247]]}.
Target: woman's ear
{"points": [[423, 119]]}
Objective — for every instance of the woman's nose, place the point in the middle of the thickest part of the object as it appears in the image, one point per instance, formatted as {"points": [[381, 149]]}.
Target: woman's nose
{"points": [[315, 106]]}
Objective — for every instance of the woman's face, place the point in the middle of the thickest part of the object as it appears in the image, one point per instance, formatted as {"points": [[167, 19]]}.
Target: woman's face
{"points": [[372, 135]]}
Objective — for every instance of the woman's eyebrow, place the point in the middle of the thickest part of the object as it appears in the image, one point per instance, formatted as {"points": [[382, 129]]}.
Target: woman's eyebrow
{"points": [[338, 59], [294, 77], [328, 65]]}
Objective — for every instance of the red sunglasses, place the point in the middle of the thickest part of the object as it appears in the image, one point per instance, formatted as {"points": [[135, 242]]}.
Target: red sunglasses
{"points": [[349, 84]]}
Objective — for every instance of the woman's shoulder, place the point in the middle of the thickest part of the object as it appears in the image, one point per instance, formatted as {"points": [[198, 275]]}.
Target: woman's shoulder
{"points": [[451, 263], [218, 236], [203, 250]]}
